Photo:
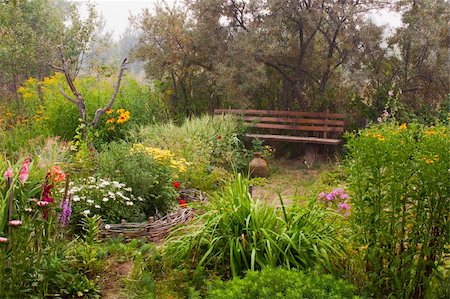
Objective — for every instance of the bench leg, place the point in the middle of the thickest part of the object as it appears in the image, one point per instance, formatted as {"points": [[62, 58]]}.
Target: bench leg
{"points": [[312, 154]]}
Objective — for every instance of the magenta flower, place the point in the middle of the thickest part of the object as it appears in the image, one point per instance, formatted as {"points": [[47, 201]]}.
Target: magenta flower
{"points": [[343, 206], [3, 240], [8, 173], [322, 195], [337, 191], [15, 223], [330, 197], [344, 196], [25, 170]]}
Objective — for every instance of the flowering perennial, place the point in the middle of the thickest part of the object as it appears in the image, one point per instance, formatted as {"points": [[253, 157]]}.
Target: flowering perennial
{"points": [[336, 199], [162, 156]]}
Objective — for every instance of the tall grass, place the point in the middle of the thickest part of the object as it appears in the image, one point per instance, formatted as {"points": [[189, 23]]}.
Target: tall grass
{"points": [[237, 233]]}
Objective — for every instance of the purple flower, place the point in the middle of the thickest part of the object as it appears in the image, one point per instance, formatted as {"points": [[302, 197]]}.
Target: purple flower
{"points": [[343, 206], [64, 215], [345, 196], [337, 191], [322, 195], [330, 196]]}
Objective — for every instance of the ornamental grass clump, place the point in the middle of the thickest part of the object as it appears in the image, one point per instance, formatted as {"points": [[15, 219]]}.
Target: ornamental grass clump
{"points": [[238, 233], [400, 200]]}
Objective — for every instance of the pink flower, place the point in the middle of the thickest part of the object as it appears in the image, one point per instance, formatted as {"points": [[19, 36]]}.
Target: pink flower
{"points": [[337, 191], [15, 223], [8, 173], [3, 240], [343, 206], [42, 203], [330, 197], [345, 196], [25, 170], [322, 195]]}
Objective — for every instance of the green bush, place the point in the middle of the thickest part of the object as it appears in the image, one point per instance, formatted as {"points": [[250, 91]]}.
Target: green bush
{"points": [[212, 146], [399, 180], [237, 233], [148, 179], [281, 283]]}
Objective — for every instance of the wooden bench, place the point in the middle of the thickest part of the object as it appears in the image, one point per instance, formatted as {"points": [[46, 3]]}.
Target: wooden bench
{"points": [[292, 126]]}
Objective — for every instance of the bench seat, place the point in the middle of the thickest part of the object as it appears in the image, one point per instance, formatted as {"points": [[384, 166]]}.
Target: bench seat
{"points": [[317, 140]]}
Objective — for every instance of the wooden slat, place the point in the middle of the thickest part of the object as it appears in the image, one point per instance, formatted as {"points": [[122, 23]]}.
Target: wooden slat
{"points": [[294, 120], [296, 128], [281, 113], [296, 139]]}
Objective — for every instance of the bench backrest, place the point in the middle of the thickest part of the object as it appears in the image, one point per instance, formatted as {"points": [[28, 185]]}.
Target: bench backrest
{"points": [[319, 123]]}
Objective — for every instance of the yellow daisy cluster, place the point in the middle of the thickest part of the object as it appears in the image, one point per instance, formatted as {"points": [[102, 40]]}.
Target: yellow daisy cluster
{"points": [[376, 135], [120, 116], [161, 156]]}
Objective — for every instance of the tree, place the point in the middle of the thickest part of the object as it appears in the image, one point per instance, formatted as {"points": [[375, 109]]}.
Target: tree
{"points": [[422, 43], [78, 99]]}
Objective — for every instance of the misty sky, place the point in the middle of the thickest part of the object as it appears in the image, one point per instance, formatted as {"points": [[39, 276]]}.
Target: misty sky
{"points": [[116, 13]]}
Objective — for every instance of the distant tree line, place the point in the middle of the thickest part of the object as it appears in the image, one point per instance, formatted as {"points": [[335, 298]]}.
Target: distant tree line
{"points": [[297, 55]]}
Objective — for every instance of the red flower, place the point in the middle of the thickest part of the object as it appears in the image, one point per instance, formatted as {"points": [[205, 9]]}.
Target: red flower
{"points": [[182, 203], [176, 185], [219, 137]]}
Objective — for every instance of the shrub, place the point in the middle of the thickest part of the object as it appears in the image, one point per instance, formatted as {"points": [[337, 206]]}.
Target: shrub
{"points": [[399, 180], [282, 283], [111, 200], [148, 178], [237, 233], [211, 146]]}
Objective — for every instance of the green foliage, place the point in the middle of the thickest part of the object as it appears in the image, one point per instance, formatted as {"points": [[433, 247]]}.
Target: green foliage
{"points": [[237, 233], [211, 145], [282, 283], [148, 179], [45, 103], [34, 254], [111, 200], [399, 180]]}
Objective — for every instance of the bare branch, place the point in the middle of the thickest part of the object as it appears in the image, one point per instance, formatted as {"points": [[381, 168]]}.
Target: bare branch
{"points": [[61, 90], [56, 67], [100, 111]]}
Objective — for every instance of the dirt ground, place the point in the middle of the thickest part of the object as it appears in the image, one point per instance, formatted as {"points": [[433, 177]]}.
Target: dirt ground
{"points": [[289, 179]]}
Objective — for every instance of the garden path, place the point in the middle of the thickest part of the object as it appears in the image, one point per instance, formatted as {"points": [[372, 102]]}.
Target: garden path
{"points": [[289, 178]]}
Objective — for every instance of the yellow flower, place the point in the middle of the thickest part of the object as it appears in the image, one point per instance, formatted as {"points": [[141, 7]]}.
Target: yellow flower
{"points": [[21, 90], [123, 118], [428, 161], [403, 126], [430, 132], [109, 111], [120, 111], [110, 120], [381, 138]]}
